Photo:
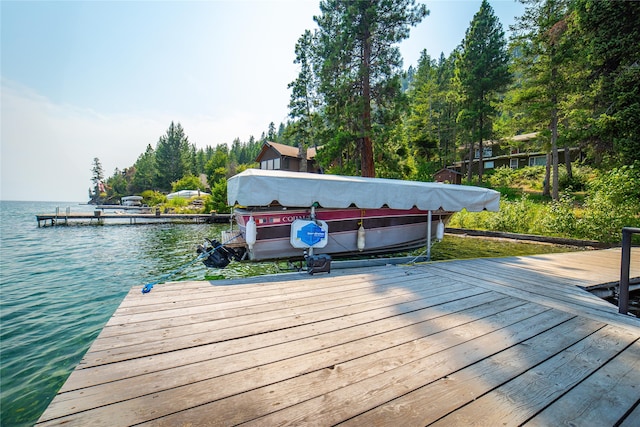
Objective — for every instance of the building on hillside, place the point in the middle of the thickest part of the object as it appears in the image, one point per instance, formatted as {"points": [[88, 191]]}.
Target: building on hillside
{"points": [[522, 151], [275, 156], [448, 176]]}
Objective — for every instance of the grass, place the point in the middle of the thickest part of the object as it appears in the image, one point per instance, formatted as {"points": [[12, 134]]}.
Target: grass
{"points": [[465, 247]]}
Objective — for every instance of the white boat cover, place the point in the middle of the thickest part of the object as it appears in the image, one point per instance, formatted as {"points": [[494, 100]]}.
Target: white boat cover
{"points": [[257, 187], [186, 194]]}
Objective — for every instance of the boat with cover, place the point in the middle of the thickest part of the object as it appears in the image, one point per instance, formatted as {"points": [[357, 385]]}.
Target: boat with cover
{"points": [[131, 201], [281, 215]]}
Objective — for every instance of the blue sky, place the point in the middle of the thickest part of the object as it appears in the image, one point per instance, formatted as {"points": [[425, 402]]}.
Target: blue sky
{"points": [[85, 79]]}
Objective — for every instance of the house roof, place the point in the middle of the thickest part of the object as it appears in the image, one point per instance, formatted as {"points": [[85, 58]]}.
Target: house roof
{"points": [[448, 170], [285, 150], [524, 137]]}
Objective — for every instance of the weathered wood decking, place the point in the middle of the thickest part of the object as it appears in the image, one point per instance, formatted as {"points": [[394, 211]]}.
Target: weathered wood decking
{"points": [[505, 341]]}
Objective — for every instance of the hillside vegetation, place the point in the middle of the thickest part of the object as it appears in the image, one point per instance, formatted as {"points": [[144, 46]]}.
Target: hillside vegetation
{"points": [[606, 202]]}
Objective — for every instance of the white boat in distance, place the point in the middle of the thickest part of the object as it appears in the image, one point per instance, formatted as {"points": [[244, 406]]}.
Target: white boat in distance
{"points": [[344, 214], [131, 201], [186, 194]]}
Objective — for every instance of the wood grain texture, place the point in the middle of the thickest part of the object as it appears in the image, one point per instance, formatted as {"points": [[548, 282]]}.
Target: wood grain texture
{"points": [[506, 341]]}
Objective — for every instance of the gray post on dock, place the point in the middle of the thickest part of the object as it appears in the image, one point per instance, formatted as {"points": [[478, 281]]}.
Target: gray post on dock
{"points": [[429, 217], [625, 263]]}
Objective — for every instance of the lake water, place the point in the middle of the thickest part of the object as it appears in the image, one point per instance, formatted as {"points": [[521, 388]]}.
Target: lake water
{"points": [[60, 285]]}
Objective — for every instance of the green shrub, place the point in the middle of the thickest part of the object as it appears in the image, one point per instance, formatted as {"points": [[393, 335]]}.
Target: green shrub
{"points": [[619, 185], [560, 217], [514, 217], [177, 202], [188, 182], [509, 193], [612, 202], [153, 198], [531, 173], [502, 177], [218, 200], [579, 180]]}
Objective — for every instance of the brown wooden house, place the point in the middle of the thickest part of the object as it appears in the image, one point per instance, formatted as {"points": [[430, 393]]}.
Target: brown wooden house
{"points": [[448, 176], [523, 151], [276, 156]]}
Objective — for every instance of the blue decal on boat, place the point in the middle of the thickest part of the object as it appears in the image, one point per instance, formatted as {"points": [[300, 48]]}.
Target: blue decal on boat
{"points": [[311, 234]]}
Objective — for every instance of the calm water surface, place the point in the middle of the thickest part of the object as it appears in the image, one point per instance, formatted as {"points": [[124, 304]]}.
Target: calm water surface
{"points": [[60, 285]]}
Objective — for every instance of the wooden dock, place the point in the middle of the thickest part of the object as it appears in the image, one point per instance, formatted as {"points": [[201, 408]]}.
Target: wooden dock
{"points": [[486, 342], [126, 217]]}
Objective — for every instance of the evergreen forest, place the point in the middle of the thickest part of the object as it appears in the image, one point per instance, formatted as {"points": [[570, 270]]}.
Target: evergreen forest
{"points": [[568, 74]]}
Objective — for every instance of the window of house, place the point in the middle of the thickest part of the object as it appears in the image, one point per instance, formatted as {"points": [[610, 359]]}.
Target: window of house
{"points": [[513, 163], [488, 164], [486, 152], [263, 164], [538, 161], [276, 163]]}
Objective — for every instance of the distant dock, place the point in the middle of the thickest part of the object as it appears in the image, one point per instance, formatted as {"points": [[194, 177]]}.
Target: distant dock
{"points": [[125, 216], [493, 341]]}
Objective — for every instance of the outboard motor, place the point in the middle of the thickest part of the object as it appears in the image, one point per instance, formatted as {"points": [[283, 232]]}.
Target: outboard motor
{"points": [[219, 256]]}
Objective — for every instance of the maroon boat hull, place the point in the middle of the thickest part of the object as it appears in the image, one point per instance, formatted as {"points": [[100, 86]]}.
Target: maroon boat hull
{"points": [[386, 230]]}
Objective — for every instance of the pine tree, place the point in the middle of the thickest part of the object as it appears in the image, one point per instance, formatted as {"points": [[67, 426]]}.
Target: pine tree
{"points": [[304, 101], [145, 171], [97, 178], [433, 109], [97, 174], [610, 34], [483, 72], [422, 121], [544, 62], [172, 157], [358, 67]]}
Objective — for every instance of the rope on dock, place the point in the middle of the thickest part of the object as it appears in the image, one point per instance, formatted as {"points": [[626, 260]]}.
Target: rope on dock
{"points": [[147, 288]]}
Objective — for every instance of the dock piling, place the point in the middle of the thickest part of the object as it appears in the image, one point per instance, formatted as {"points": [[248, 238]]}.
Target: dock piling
{"points": [[625, 263]]}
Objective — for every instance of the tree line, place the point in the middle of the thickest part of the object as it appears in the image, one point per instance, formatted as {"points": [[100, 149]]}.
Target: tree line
{"points": [[175, 164], [570, 72]]}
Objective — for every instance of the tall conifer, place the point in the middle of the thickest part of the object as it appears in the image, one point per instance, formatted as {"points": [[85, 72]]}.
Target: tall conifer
{"points": [[358, 66], [172, 157], [483, 72]]}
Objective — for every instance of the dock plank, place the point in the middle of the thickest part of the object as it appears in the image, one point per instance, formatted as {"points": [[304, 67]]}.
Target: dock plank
{"points": [[55, 219], [434, 400], [603, 398], [305, 336], [250, 304], [487, 341], [540, 283], [577, 301], [631, 419], [398, 347], [113, 349], [523, 397], [348, 342], [361, 394]]}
